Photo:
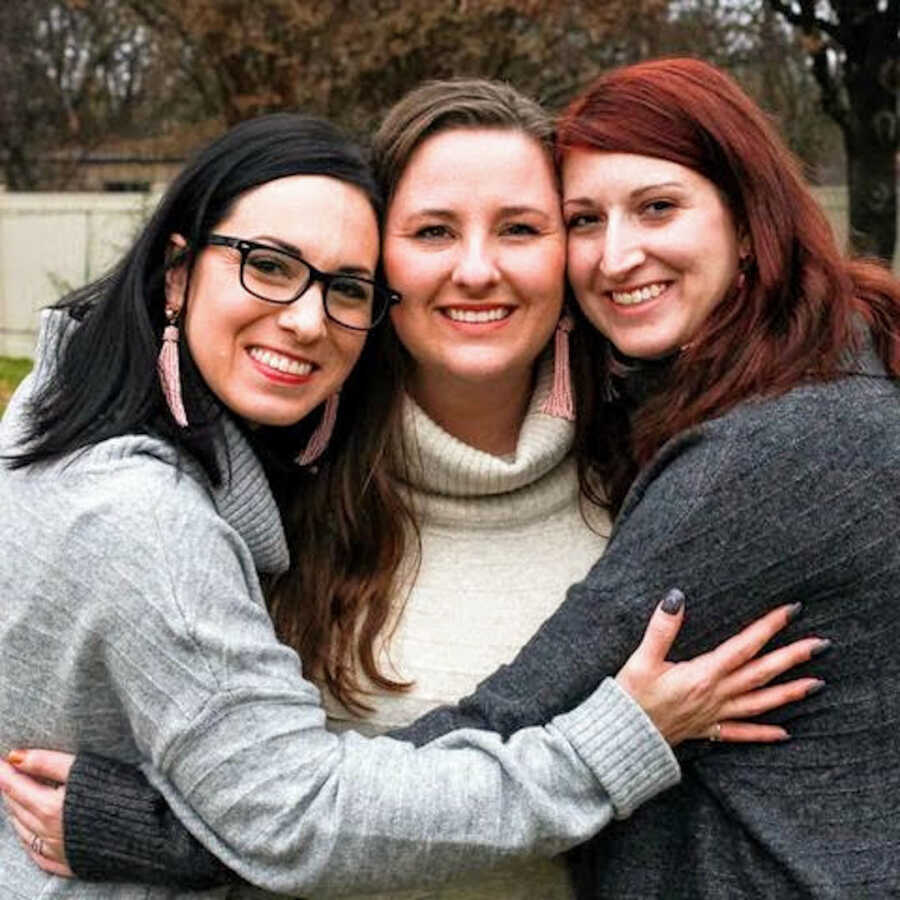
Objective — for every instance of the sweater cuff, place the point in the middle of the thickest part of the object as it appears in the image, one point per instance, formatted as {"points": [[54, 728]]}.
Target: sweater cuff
{"points": [[117, 827], [616, 738]]}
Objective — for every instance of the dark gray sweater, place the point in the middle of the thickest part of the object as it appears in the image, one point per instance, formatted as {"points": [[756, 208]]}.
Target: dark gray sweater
{"points": [[795, 498]]}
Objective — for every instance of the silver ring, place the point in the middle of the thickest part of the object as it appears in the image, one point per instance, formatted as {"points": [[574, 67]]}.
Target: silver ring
{"points": [[37, 845], [716, 735]]}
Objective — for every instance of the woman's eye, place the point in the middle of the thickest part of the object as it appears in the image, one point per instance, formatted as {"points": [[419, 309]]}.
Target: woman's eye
{"points": [[582, 220], [658, 207], [519, 229], [269, 265], [432, 232]]}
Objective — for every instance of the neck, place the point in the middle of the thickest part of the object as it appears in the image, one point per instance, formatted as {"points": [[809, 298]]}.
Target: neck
{"points": [[487, 415]]}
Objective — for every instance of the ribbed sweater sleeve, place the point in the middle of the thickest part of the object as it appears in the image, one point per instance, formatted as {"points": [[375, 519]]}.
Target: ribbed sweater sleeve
{"points": [[125, 831]]}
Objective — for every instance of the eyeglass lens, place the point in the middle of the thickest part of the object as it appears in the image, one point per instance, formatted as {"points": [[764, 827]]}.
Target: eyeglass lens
{"points": [[281, 278]]}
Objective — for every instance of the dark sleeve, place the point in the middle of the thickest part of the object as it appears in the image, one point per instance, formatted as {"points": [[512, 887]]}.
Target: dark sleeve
{"points": [[119, 828]]}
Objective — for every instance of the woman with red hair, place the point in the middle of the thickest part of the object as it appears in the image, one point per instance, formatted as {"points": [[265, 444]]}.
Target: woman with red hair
{"points": [[737, 398], [738, 408]]}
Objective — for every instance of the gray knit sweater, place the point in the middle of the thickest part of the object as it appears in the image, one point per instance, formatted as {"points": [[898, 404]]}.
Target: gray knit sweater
{"points": [[134, 625], [795, 498]]}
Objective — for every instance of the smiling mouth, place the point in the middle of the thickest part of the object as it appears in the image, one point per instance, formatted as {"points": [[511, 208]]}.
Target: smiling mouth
{"points": [[287, 365], [638, 295], [476, 316]]}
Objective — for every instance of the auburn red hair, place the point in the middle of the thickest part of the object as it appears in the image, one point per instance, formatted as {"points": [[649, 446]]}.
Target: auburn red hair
{"points": [[794, 316]]}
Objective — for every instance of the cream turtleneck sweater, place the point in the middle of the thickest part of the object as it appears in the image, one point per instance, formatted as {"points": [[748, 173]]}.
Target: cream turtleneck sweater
{"points": [[502, 539]]}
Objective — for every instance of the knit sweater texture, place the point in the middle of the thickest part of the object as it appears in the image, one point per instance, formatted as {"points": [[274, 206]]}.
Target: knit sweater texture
{"points": [[793, 498], [790, 499], [501, 540], [134, 625]]}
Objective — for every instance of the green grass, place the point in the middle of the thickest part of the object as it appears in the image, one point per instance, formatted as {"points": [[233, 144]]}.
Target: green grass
{"points": [[12, 371]]}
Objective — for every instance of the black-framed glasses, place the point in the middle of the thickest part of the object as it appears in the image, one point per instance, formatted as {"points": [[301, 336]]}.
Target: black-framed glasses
{"points": [[279, 276]]}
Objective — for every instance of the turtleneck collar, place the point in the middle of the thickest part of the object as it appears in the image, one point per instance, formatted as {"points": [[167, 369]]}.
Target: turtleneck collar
{"points": [[451, 480]]}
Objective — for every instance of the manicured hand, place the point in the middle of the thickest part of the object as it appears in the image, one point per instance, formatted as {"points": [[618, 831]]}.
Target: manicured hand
{"points": [[708, 696], [33, 783]]}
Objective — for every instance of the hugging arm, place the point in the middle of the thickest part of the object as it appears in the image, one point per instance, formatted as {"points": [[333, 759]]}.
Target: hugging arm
{"points": [[667, 518]]}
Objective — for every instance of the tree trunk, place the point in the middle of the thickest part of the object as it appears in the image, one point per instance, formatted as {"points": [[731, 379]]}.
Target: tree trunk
{"points": [[871, 140]]}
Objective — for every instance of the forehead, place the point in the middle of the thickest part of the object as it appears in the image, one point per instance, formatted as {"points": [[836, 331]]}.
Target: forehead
{"points": [[465, 165], [592, 174], [330, 221]]}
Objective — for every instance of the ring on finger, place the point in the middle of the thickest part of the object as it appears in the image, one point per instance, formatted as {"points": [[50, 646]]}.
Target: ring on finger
{"points": [[715, 734], [37, 845]]}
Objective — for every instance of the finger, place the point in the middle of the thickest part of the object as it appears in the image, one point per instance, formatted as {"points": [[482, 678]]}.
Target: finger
{"points": [[48, 854], [737, 650], [43, 801], [758, 702], [49, 764], [53, 866], [751, 732], [762, 670], [663, 627], [34, 826]]}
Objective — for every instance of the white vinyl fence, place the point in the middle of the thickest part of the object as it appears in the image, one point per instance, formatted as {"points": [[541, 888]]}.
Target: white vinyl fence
{"points": [[52, 243]]}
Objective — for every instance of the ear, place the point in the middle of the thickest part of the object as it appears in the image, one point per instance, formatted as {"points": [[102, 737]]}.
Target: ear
{"points": [[176, 273]]}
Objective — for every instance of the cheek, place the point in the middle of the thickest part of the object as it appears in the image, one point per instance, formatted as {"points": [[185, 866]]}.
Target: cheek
{"points": [[580, 262], [347, 350]]}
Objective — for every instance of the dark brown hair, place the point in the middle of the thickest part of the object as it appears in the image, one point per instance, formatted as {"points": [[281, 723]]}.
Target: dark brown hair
{"points": [[348, 527], [791, 318]]}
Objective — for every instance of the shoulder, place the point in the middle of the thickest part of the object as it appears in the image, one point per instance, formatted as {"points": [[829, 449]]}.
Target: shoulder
{"points": [[814, 441]]}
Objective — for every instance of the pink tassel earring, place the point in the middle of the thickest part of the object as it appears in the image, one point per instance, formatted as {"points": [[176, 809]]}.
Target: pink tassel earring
{"points": [[560, 402], [167, 366], [319, 439]]}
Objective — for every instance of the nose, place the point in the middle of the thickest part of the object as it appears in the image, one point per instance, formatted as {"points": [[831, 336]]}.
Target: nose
{"points": [[475, 269], [622, 251], [305, 317]]}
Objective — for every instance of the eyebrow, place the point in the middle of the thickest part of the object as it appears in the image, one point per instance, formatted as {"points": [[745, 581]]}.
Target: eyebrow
{"points": [[296, 251], [637, 192], [441, 213]]}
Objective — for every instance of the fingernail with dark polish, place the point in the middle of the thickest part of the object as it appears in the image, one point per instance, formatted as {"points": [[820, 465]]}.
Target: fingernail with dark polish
{"points": [[672, 602], [794, 611], [821, 647], [814, 689]]}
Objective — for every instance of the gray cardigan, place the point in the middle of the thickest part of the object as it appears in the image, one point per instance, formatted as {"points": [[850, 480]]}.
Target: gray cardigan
{"points": [[134, 624], [795, 498]]}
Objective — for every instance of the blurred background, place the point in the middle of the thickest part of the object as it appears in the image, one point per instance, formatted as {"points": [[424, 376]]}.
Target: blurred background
{"points": [[101, 101]]}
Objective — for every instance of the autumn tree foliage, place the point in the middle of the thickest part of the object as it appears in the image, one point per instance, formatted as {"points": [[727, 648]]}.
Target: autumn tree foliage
{"points": [[350, 59], [854, 48]]}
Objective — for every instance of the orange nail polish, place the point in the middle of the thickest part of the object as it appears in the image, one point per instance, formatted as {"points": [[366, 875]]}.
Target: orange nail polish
{"points": [[16, 757]]}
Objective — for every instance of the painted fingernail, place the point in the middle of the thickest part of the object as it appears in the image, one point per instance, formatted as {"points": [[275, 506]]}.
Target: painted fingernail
{"points": [[815, 688], [15, 757], [793, 611], [821, 647], [672, 602]]}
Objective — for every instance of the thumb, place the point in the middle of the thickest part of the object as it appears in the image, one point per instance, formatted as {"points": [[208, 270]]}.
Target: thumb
{"points": [[47, 764], [663, 627]]}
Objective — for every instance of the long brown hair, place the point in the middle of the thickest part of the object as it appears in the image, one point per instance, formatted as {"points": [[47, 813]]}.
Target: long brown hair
{"points": [[347, 526], [790, 318]]}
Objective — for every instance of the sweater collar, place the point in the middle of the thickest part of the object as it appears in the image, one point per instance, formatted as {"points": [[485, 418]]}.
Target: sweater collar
{"points": [[243, 499], [441, 464]]}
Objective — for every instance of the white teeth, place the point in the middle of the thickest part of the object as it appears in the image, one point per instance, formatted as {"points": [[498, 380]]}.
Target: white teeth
{"points": [[639, 295], [280, 363], [477, 315]]}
